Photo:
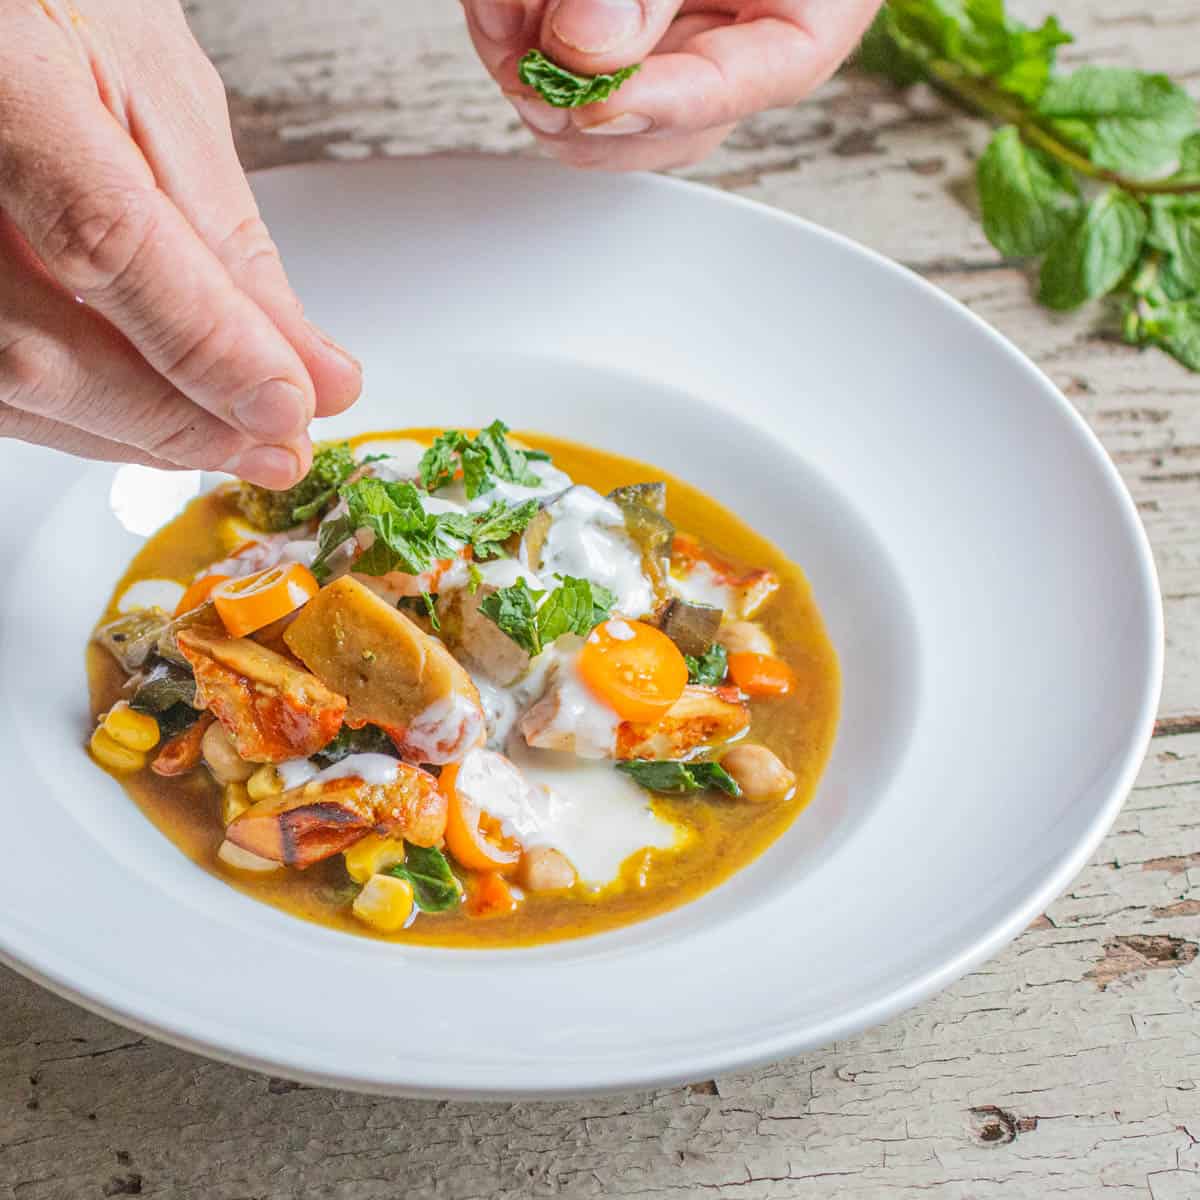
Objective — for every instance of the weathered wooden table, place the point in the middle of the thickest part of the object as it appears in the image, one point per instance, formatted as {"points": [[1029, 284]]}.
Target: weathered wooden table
{"points": [[1069, 1066]]}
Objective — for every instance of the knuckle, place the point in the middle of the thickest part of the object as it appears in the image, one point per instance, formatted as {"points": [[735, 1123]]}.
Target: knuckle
{"points": [[201, 442], [248, 246], [23, 370], [95, 238]]}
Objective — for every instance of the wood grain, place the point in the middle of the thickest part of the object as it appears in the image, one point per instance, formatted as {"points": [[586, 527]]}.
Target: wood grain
{"points": [[1067, 1067]]}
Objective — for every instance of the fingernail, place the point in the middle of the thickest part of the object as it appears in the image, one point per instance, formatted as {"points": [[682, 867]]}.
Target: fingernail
{"points": [[267, 466], [498, 20], [334, 348], [276, 411], [545, 118], [626, 123], [593, 26]]}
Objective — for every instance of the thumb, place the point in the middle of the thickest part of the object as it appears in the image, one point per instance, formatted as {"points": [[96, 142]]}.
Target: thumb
{"points": [[591, 36]]}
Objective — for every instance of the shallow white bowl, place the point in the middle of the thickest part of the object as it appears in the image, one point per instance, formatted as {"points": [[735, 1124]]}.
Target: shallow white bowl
{"points": [[982, 571]]}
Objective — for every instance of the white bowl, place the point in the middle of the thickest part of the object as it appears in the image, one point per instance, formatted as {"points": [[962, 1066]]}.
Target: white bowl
{"points": [[981, 569]]}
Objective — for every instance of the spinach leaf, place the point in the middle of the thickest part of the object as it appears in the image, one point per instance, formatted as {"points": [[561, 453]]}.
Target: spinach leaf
{"points": [[564, 89], [680, 778], [435, 887], [370, 739]]}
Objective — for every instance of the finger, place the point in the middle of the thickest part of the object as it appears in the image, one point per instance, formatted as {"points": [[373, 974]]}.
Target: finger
{"points": [[62, 365], [503, 24], [108, 235], [180, 119], [723, 74], [594, 36], [25, 427]]}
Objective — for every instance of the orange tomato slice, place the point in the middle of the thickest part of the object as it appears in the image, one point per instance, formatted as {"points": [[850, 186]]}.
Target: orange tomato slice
{"points": [[474, 839], [245, 605], [198, 592], [761, 675], [634, 668]]}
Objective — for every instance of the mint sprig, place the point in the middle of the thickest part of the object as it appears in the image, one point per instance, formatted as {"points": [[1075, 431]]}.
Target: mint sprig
{"points": [[1097, 171], [565, 89]]}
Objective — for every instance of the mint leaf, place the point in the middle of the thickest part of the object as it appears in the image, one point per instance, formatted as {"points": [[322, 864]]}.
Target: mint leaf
{"points": [[514, 610], [1189, 157], [1174, 326], [1028, 199], [1092, 257], [1175, 230], [406, 538], [575, 606], [710, 669], [534, 619], [439, 463], [564, 89], [497, 525], [882, 54], [1126, 120], [680, 778], [435, 887]]}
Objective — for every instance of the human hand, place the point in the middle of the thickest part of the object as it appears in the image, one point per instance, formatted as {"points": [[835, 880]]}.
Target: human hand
{"points": [[119, 185], [709, 63]]}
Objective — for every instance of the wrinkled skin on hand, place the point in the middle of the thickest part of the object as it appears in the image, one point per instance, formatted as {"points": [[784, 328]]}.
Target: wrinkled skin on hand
{"points": [[120, 187], [708, 64]]}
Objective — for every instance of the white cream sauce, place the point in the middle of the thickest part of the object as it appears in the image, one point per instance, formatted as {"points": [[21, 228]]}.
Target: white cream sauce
{"points": [[404, 457], [701, 586], [151, 593], [380, 769], [445, 731], [587, 539]]}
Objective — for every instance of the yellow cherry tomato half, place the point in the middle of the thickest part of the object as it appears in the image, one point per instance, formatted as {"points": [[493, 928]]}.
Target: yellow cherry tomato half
{"points": [[633, 668], [474, 839], [198, 592], [245, 605]]}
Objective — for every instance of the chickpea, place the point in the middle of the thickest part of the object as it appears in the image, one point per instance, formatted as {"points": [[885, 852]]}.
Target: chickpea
{"points": [[544, 869], [223, 760], [744, 637], [759, 773]]}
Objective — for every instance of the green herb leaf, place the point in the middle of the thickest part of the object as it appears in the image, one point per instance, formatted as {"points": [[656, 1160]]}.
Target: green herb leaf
{"points": [[710, 668], [370, 739], [439, 463], [1028, 200], [534, 619], [1175, 230], [406, 538], [430, 602], [333, 463], [1094, 255], [1126, 120], [882, 54], [474, 578], [1189, 158], [564, 89], [435, 887], [680, 778], [483, 459], [497, 525], [1175, 326]]}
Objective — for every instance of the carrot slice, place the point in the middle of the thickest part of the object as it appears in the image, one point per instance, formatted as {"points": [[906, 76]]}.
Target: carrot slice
{"points": [[245, 605], [761, 675]]}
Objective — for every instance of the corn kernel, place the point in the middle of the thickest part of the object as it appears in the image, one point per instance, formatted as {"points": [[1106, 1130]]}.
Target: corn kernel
{"points": [[133, 730], [372, 854], [243, 860], [234, 801], [113, 755], [385, 903], [264, 782]]}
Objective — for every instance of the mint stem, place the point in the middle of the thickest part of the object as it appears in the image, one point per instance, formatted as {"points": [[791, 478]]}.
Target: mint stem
{"points": [[990, 100]]}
